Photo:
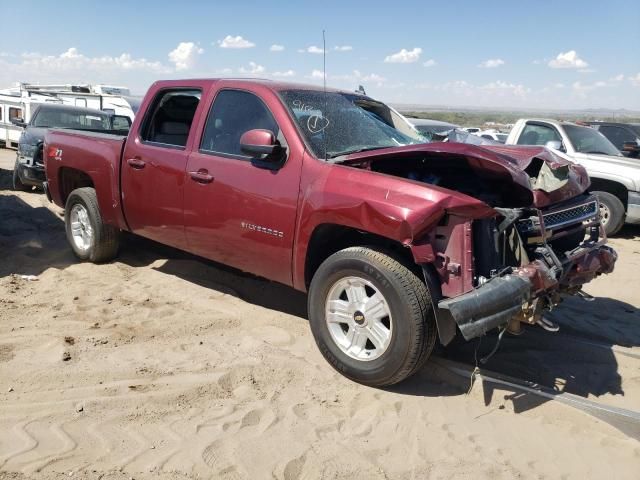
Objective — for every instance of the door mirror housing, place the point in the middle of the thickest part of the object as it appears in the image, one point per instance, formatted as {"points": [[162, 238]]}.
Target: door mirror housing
{"points": [[259, 143], [19, 122], [631, 149], [554, 144], [263, 148]]}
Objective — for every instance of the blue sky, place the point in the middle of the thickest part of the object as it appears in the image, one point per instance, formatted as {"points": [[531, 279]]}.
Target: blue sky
{"points": [[543, 54]]}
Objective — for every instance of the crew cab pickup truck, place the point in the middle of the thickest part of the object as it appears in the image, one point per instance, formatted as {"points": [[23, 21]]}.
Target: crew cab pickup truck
{"points": [[615, 179], [397, 242]]}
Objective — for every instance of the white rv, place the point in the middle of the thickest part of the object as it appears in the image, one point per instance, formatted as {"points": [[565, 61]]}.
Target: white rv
{"points": [[22, 101]]}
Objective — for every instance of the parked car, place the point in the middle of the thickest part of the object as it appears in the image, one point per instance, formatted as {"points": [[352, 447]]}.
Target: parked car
{"points": [[396, 241], [615, 179], [471, 129], [493, 135], [29, 168], [432, 129], [625, 136]]}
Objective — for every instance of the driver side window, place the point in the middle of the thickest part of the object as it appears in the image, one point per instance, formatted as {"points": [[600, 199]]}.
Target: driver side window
{"points": [[535, 134], [233, 113]]}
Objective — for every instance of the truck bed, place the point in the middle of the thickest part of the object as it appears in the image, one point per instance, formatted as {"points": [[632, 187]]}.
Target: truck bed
{"points": [[95, 154]]}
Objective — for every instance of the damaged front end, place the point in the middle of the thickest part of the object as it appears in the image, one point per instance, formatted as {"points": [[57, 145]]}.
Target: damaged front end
{"points": [[538, 240], [526, 261]]}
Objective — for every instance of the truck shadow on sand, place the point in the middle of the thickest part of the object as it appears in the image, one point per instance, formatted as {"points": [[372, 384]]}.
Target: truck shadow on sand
{"points": [[586, 358], [32, 239]]}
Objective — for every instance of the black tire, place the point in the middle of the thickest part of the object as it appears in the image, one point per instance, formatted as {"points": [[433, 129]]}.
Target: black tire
{"points": [[105, 239], [413, 335], [17, 183], [613, 209]]}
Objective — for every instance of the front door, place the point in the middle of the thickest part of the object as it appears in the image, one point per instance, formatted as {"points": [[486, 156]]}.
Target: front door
{"points": [[237, 212], [153, 168]]}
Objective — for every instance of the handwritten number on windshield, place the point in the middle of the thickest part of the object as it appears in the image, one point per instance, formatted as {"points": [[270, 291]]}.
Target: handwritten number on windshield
{"points": [[315, 123]]}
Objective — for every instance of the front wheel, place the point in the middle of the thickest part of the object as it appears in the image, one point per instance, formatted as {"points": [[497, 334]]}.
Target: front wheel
{"points": [[371, 317], [90, 238], [612, 212]]}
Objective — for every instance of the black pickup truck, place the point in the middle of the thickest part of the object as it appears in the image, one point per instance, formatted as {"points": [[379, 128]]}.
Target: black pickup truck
{"points": [[28, 171]]}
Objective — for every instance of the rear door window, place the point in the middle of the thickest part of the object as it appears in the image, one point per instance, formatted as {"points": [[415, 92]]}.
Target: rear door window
{"points": [[537, 134], [168, 121], [233, 113]]}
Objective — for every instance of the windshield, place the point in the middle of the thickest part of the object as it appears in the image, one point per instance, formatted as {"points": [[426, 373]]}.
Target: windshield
{"points": [[333, 124], [67, 118], [588, 140]]}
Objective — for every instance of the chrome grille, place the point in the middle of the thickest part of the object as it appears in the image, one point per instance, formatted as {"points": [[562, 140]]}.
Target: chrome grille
{"points": [[570, 215], [560, 218]]}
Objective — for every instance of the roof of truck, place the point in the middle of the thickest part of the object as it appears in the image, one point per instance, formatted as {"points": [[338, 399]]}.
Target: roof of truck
{"points": [[276, 85]]}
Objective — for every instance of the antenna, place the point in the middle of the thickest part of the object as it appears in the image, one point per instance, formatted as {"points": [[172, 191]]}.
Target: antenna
{"points": [[324, 86]]}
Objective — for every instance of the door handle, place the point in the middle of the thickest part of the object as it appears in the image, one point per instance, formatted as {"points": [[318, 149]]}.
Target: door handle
{"points": [[201, 176], [136, 163]]}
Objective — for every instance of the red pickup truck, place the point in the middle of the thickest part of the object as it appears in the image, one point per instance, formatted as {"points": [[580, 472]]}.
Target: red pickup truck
{"points": [[397, 241]]}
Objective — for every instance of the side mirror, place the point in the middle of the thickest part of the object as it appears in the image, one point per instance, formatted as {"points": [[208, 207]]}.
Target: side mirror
{"points": [[19, 122], [554, 144], [120, 122], [631, 149], [260, 144]]}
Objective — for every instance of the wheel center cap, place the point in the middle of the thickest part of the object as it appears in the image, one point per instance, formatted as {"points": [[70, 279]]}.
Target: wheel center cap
{"points": [[359, 318]]}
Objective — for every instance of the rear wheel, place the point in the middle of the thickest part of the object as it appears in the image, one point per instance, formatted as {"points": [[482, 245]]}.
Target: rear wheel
{"points": [[371, 316], [17, 183], [612, 212], [90, 238]]}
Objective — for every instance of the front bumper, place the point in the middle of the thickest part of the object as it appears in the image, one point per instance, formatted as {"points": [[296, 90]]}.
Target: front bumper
{"points": [[514, 293], [633, 208], [30, 175]]}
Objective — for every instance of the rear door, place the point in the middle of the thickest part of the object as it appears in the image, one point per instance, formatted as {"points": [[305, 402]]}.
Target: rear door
{"points": [[153, 166], [237, 211]]}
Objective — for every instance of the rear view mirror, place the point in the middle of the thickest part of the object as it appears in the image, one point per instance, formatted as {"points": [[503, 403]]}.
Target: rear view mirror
{"points": [[18, 122]]}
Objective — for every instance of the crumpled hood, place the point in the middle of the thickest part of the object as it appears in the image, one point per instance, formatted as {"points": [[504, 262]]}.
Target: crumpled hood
{"points": [[520, 165]]}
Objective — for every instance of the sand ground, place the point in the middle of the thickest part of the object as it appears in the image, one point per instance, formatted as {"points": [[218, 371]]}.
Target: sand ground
{"points": [[162, 365]]}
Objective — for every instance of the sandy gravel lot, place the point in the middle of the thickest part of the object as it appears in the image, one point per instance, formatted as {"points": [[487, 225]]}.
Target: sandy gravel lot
{"points": [[162, 365]]}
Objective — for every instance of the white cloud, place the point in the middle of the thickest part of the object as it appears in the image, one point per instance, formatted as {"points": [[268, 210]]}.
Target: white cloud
{"points": [[568, 59], [581, 89], [311, 49], [492, 63], [254, 69], [502, 88], [635, 80], [235, 42], [404, 56], [617, 78], [287, 73], [74, 61], [559, 85], [350, 79], [343, 48], [184, 56], [276, 48], [430, 63]]}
